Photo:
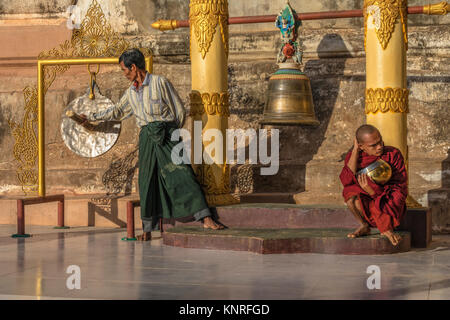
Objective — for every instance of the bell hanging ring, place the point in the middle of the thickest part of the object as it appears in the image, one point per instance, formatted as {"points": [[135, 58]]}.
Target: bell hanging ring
{"points": [[92, 81]]}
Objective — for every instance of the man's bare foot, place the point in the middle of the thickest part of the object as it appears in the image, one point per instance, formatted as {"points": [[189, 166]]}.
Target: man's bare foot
{"points": [[393, 237], [360, 232], [209, 223], [146, 236]]}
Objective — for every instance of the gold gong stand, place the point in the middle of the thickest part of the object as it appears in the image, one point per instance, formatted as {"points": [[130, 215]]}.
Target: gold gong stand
{"points": [[83, 49]]}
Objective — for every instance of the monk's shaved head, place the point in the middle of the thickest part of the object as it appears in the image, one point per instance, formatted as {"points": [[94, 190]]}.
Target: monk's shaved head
{"points": [[363, 130]]}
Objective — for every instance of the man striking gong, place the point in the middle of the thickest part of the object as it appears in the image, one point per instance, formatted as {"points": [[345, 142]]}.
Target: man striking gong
{"points": [[166, 190], [380, 205]]}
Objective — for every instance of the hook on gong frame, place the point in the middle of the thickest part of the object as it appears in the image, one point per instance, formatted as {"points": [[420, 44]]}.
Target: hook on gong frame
{"points": [[92, 80]]}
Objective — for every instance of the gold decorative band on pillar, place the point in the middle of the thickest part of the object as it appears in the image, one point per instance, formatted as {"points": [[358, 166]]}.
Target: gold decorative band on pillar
{"points": [[387, 99], [209, 103], [385, 14], [217, 192], [204, 15]]}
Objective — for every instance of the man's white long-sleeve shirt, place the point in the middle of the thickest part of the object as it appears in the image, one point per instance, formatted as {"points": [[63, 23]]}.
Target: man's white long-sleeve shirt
{"points": [[155, 100]]}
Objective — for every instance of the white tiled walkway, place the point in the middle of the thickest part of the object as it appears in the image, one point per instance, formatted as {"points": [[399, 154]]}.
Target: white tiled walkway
{"points": [[35, 268]]}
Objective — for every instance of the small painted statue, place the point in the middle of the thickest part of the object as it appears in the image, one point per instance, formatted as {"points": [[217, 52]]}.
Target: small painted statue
{"points": [[288, 23]]}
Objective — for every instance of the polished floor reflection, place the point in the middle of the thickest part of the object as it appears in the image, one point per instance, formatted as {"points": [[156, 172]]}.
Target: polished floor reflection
{"points": [[36, 268]]}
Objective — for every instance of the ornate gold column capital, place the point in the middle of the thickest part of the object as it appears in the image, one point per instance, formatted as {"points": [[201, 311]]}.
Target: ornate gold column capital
{"points": [[441, 8], [214, 103], [385, 14], [204, 15], [387, 99]]}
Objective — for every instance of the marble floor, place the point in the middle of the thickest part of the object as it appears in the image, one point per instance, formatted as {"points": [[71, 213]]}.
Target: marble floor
{"points": [[109, 268]]}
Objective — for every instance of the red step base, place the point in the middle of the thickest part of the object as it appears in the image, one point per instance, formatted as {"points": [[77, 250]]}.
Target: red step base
{"points": [[270, 241]]}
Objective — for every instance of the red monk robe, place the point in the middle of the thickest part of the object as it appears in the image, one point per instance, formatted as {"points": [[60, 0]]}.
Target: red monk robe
{"points": [[387, 207]]}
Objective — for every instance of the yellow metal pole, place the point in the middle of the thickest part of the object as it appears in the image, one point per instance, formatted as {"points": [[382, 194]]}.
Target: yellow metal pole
{"points": [[41, 130], [80, 61], [41, 102], [209, 96]]}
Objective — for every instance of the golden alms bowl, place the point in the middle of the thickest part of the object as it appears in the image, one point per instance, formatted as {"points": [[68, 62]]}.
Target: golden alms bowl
{"points": [[379, 171]]}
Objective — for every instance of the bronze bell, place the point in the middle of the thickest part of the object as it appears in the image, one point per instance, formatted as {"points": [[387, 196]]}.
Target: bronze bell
{"points": [[289, 98]]}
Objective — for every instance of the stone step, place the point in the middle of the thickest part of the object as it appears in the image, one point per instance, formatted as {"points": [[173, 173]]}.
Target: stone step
{"points": [[267, 198], [279, 215], [292, 216], [272, 241]]}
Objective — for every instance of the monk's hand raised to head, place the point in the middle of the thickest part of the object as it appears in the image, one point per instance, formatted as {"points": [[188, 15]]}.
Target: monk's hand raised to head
{"points": [[364, 183], [355, 145], [353, 160]]}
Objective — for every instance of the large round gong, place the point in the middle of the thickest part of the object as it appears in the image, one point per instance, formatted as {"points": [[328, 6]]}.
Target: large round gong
{"points": [[84, 142]]}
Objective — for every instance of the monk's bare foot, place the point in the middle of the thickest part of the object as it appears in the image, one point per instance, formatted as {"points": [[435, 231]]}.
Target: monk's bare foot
{"points": [[209, 223], [393, 238], [360, 232], [146, 236]]}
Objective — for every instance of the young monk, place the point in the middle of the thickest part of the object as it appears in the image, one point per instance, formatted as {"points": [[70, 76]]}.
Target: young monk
{"points": [[374, 205]]}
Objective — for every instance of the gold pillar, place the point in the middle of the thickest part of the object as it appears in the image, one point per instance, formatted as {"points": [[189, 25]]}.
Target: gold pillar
{"points": [[209, 96], [386, 42], [386, 93]]}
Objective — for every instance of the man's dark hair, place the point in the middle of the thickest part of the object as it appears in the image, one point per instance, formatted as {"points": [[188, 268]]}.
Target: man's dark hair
{"points": [[133, 56], [363, 130]]}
